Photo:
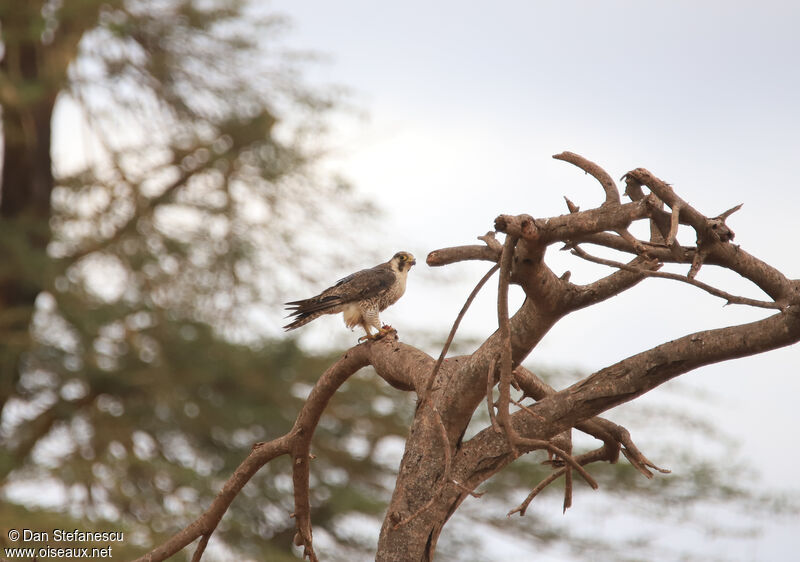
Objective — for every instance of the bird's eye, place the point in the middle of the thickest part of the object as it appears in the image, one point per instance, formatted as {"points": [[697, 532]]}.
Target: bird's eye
{"points": [[403, 258]]}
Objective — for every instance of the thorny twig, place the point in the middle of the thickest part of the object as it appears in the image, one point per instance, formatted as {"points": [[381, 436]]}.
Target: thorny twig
{"points": [[505, 362], [453, 330], [490, 381], [731, 299]]}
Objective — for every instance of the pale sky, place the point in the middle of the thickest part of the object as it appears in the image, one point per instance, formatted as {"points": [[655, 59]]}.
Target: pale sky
{"points": [[468, 101]]}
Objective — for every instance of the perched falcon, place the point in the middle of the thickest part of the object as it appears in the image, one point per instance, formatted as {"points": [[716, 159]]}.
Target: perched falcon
{"points": [[360, 296]]}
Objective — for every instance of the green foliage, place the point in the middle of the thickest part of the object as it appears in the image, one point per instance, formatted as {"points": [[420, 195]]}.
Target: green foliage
{"points": [[158, 437], [136, 374]]}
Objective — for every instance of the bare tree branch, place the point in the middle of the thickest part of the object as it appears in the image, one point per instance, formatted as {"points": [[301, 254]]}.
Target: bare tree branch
{"points": [[205, 524], [446, 256], [612, 193], [457, 322], [439, 470], [731, 299], [296, 443]]}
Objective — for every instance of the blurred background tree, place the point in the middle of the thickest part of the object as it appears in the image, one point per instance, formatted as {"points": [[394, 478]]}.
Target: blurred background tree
{"points": [[137, 257], [135, 371]]}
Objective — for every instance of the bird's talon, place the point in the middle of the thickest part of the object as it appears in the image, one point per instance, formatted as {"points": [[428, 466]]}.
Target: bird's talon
{"points": [[382, 332]]}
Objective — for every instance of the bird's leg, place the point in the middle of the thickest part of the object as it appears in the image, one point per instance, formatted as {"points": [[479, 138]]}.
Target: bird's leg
{"points": [[382, 331], [368, 336]]}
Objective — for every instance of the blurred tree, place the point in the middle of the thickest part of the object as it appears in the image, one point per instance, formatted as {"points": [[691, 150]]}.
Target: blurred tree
{"points": [[134, 256], [131, 260]]}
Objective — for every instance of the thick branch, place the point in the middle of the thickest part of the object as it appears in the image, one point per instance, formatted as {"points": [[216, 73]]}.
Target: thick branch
{"points": [[468, 381], [688, 214], [446, 256], [626, 380], [402, 366], [488, 452], [581, 296], [574, 225]]}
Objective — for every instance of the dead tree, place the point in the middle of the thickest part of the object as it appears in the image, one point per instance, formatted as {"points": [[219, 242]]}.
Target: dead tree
{"points": [[439, 469]]}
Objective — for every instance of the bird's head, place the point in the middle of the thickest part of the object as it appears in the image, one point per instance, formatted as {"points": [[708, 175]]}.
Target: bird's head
{"points": [[402, 261]]}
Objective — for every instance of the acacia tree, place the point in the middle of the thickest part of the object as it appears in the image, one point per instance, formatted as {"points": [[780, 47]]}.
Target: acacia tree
{"points": [[440, 469]]}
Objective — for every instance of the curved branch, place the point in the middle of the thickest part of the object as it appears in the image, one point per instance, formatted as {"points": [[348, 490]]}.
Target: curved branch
{"points": [[613, 436], [598, 173], [261, 454], [402, 366], [457, 322], [715, 237], [644, 371], [764, 276], [327, 385], [296, 443]]}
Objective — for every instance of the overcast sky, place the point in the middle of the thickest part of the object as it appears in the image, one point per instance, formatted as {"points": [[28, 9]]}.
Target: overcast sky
{"points": [[467, 103]]}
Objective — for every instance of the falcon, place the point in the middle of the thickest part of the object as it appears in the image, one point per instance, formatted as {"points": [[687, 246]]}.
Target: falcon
{"points": [[360, 297]]}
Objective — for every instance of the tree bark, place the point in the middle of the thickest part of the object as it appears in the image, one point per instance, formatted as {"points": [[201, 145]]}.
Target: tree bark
{"points": [[27, 181], [32, 73]]}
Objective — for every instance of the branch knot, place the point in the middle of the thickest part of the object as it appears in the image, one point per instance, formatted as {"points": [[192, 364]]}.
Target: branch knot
{"points": [[519, 226]]}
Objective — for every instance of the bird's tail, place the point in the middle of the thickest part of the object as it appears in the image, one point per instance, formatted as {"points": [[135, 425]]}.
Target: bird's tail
{"points": [[304, 311]]}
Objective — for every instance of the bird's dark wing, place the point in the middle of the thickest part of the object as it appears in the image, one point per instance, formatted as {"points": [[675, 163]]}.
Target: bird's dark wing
{"points": [[363, 284], [315, 304]]}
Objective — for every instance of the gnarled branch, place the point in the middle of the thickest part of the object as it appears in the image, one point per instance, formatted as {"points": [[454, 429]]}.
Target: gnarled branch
{"points": [[440, 469]]}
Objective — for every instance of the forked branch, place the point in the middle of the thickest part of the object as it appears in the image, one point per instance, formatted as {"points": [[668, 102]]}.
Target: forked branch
{"points": [[439, 468], [295, 443]]}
